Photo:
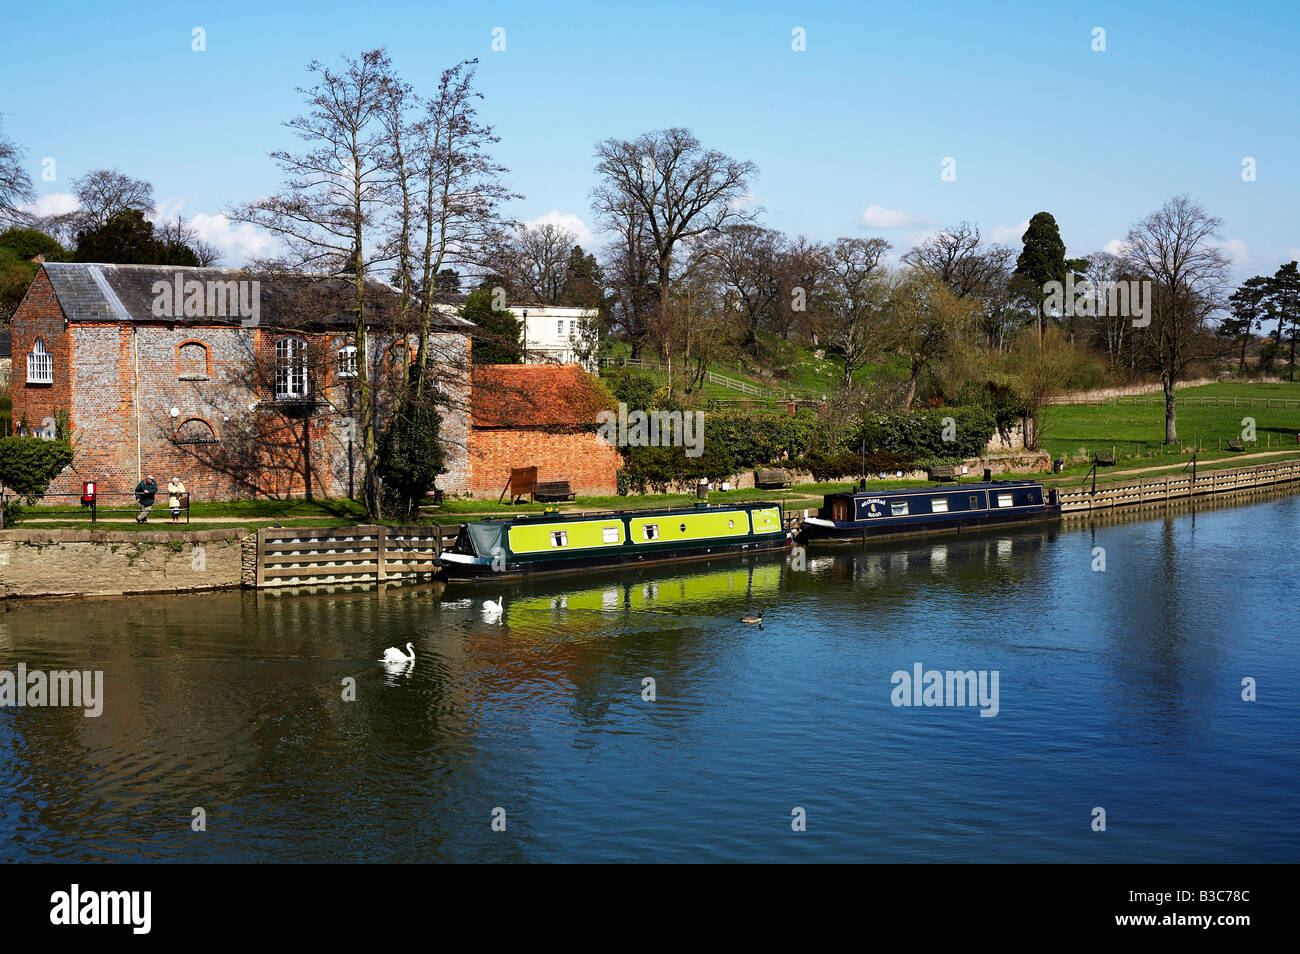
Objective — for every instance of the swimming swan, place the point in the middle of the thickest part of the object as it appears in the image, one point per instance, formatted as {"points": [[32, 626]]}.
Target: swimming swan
{"points": [[392, 655]]}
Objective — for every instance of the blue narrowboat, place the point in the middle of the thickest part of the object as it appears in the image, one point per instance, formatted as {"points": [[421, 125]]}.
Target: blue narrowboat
{"points": [[860, 514]]}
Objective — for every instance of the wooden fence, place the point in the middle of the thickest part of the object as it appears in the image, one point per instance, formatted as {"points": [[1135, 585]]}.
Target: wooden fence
{"points": [[1189, 400], [295, 556], [1148, 490]]}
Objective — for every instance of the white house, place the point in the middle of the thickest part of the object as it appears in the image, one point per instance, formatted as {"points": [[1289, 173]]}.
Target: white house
{"points": [[558, 335]]}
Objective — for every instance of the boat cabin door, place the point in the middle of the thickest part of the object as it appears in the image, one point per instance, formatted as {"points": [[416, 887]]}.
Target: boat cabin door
{"points": [[840, 510]]}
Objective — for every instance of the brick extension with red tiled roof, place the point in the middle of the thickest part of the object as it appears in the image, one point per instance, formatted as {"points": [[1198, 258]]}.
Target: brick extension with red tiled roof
{"points": [[536, 397]]}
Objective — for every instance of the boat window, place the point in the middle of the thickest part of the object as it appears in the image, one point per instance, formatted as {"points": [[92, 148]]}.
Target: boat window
{"points": [[559, 538], [1004, 500], [652, 531], [611, 534], [898, 508], [939, 505], [975, 503]]}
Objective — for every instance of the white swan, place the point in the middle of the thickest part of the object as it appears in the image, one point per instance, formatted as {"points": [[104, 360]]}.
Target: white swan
{"points": [[392, 655], [492, 610]]}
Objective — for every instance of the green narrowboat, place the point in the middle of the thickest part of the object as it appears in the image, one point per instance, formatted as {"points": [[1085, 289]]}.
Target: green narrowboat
{"points": [[554, 542]]}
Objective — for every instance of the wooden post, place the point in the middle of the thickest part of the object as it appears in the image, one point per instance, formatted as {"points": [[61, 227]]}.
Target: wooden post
{"points": [[381, 533], [261, 558]]}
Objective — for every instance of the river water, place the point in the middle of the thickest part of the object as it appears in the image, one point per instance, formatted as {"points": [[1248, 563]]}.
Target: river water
{"points": [[1117, 689]]}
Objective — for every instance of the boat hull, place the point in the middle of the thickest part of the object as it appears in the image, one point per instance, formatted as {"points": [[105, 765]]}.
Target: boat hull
{"points": [[814, 529], [537, 545], [864, 514], [456, 570]]}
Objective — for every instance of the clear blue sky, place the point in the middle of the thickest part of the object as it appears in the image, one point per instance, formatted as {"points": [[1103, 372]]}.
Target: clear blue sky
{"points": [[1034, 118]]}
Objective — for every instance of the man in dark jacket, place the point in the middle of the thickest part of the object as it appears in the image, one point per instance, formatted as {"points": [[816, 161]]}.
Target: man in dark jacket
{"points": [[145, 491]]}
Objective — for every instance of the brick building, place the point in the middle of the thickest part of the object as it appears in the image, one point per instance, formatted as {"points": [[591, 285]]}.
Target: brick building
{"points": [[241, 383], [540, 415]]}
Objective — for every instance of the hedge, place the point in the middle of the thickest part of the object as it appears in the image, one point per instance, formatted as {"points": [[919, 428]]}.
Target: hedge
{"points": [[27, 465]]}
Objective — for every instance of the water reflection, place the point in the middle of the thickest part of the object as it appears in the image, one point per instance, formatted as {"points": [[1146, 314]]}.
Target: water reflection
{"points": [[1119, 687]]}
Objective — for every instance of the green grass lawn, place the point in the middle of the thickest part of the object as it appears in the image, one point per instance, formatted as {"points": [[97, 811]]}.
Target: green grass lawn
{"points": [[1080, 430], [800, 373]]}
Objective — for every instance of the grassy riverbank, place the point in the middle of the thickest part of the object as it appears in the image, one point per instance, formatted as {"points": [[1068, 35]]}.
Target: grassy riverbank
{"points": [[1211, 415]]}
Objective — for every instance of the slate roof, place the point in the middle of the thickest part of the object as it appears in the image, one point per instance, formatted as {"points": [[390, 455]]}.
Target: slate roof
{"points": [[125, 294]]}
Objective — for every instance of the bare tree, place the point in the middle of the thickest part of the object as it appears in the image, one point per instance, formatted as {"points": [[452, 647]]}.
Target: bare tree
{"points": [[958, 258], [1112, 327], [542, 256], [630, 266], [852, 300], [927, 320], [802, 267], [664, 189], [460, 191], [329, 212], [749, 264], [1176, 248], [102, 193], [176, 232], [15, 183]]}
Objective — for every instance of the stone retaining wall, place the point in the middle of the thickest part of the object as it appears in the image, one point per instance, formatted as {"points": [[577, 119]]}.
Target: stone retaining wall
{"points": [[92, 562]]}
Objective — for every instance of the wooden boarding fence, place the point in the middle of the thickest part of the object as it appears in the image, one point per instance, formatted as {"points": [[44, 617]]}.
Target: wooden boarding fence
{"points": [[296, 556], [1148, 490]]}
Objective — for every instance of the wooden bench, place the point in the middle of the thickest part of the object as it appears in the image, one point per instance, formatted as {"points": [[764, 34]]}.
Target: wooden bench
{"points": [[1104, 460], [549, 490], [773, 479], [943, 472], [1236, 445]]}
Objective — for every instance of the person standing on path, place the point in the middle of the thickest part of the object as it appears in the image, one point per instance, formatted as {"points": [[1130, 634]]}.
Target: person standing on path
{"points": [[175, 493], [145, 493]]}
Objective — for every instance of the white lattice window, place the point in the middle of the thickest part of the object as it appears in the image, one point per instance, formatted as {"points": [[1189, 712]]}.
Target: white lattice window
{"points": [[347, 361], [40, 364], [290, 369]]}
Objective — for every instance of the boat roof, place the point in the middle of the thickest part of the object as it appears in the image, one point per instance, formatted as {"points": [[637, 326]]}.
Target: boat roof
{"points": [[556, 516], [937, 489]]}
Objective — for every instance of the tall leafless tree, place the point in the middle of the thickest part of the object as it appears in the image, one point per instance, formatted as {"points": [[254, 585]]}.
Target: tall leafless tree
{"points": [[748, 260], [852, 300], [1176, 248], [330, 211], [663, 190], [15, 183], [102, 193]]}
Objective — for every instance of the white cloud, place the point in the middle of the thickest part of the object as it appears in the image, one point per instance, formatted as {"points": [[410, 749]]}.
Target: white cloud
{"points": [[878, 217], [55, 203], [569, 222], [1235, 249], [1008, 233], [1293, 254], [1115, 247], [920, 237], [237, 243]]}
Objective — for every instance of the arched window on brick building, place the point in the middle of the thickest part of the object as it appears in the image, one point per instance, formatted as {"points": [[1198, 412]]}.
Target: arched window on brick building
{"points": [[290, 369], [194, 430], [192, 361]]}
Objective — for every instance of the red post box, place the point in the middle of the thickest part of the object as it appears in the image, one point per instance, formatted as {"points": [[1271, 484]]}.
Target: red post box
{"points": [[87, 492]]}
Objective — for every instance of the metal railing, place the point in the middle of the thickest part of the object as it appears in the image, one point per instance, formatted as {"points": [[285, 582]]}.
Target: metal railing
{"points": [[94, 509]]}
